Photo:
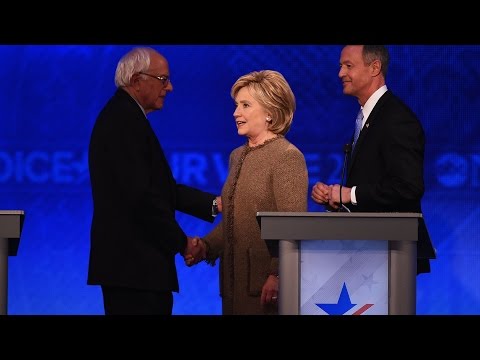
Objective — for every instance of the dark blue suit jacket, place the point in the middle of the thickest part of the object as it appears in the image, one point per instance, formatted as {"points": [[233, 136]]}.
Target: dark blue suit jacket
{"points": [[386, 165], [134, 233]]}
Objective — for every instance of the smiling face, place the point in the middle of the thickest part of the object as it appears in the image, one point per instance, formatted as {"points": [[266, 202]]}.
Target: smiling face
{"points": [[359, 79], [148, 88], [153, 90], [251, 118]]}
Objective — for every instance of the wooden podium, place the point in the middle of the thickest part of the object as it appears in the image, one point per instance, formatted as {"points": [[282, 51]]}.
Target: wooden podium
{"points": [[11, 224], [345, 251]]}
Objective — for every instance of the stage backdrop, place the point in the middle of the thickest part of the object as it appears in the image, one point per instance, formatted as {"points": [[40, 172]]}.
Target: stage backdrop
{"points": [[51, 95]]}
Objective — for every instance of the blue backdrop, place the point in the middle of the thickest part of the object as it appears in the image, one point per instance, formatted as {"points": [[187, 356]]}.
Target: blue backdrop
{"points": [[51, 96]]}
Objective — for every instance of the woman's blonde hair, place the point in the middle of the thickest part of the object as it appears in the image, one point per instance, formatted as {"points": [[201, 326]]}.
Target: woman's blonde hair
{"points": [[272, 91]]}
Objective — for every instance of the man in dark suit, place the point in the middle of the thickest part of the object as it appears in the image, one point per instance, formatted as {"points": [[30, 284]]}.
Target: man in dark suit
{"points": [[134, 233], [385, 170]]}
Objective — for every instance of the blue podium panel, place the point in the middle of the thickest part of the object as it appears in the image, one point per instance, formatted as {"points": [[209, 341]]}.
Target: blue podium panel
{"points": [[343, 277]]}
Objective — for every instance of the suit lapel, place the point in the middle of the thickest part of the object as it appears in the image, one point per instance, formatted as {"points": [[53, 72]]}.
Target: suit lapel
{"points": [[157, 151], [366, 128]]}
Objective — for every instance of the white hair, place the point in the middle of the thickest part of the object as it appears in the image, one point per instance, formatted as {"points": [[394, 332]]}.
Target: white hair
{"points": [[135, 61]]}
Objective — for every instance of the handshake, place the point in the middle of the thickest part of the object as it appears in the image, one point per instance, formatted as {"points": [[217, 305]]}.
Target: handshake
{"points": [[195, 251]]}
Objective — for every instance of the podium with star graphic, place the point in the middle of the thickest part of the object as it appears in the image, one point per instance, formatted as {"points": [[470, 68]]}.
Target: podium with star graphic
{"points": [[344, 263], [11, 224]]}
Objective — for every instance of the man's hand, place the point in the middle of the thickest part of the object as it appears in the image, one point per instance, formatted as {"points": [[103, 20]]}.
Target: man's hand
{"points": [[321, 193], [334, 197], [195, 251]]}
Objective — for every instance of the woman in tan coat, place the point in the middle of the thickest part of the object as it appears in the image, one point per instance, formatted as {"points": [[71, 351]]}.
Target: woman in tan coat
{"points": [[268, 173]]}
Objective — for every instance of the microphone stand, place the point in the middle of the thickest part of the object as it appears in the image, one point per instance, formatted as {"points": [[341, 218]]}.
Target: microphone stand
{"points": [[347, 148]]}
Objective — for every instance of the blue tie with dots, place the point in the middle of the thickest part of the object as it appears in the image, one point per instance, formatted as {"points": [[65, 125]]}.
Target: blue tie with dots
{"points": [[358, 127]]}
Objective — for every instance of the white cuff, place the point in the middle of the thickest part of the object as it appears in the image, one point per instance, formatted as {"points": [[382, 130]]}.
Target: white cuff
{"points": [[353, 198]]}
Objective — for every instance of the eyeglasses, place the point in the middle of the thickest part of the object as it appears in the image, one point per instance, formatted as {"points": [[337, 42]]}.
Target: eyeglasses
{"points": [[164, 78]]}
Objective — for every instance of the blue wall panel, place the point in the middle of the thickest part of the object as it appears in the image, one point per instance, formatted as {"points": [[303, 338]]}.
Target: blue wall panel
{"points": [[50, 96]]}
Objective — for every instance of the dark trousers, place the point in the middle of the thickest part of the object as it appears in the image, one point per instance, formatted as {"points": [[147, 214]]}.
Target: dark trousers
{"points": [[125, 301], [423, 266]]}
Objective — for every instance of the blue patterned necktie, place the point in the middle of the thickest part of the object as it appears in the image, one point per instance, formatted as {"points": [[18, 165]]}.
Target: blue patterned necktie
{"points": [[358, 127]]}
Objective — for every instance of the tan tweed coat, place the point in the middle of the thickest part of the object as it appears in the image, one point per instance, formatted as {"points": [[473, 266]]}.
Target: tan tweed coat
{"points": [[269, 177]]}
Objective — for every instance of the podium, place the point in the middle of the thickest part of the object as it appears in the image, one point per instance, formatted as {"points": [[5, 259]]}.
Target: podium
{"points": [[344, 263], [11, 224]]}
